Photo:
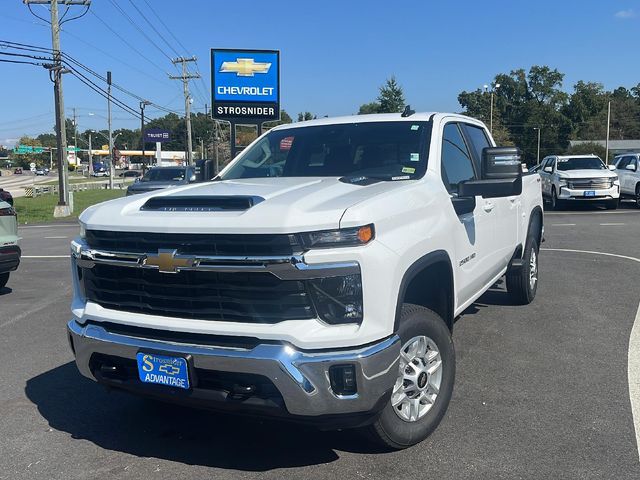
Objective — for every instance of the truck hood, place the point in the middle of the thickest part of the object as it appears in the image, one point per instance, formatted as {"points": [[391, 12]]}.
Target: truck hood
{"points": [[586, 174], [284, 205]]}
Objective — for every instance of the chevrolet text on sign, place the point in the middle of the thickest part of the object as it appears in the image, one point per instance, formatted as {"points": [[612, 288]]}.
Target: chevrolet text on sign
{"points": [[245, 85]]}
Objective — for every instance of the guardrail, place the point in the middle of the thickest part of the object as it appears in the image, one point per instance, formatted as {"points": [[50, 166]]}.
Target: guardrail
{"points": [[38, 190]]}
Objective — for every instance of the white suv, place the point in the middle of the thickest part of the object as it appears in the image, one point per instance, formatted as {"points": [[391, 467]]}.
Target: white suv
{"points": [[577, 179], [627, 170]]}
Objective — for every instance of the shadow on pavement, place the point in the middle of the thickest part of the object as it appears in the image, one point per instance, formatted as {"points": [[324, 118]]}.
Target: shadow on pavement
{"points": [[120, 422]]}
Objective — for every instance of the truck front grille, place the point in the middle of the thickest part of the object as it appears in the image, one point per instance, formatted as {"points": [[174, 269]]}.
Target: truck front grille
{"points": [[255, 297], [590, 183], [198, 244]]}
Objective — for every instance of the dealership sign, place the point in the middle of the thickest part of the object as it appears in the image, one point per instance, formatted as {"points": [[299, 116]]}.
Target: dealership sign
{"points": [[245, 85], [153, 135]]}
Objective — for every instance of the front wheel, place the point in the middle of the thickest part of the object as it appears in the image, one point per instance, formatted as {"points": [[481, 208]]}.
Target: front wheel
{"points": [[638, 195], [612, 204], [555, 203], [4, 278], [522, 284], [424, 385]]}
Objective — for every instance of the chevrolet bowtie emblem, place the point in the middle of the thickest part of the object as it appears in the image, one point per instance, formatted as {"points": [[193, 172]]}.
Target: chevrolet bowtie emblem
{"points": [[245, 67], [168, 261]]}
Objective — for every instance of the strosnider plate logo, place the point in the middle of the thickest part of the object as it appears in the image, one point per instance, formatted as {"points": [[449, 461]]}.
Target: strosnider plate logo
{"points": [[245, 84]]}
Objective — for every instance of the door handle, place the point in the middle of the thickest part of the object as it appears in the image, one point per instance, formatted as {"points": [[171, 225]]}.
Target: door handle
{"points": [[488, 206]]}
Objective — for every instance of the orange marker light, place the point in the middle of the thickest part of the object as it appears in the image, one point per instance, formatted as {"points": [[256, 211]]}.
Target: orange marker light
{"points": [[365, 234]]}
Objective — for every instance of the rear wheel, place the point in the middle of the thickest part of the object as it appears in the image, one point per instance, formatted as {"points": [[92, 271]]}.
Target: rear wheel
{"points": [[424, 384], [638, 195], [4, 278], [522, 284]]}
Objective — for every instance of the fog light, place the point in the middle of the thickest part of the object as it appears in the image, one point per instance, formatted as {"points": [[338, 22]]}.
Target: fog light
{"points": [[343, 379]]}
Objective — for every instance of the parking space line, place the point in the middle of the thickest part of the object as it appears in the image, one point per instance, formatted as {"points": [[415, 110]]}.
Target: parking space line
{"points": [[633, 354], [633, 372], [44, 256], [563, 224], [26, 227], [611, 224], [595, 212]]}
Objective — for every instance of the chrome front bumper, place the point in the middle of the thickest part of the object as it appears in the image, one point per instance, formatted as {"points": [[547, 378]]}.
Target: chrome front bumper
{"points": [[302, 378]]}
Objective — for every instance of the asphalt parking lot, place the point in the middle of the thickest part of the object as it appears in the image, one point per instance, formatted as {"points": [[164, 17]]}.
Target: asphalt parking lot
{"points": [[541, 392]]}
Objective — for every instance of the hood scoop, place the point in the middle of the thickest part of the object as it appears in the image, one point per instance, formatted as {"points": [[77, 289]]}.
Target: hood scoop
{"points": [[201, 203]]}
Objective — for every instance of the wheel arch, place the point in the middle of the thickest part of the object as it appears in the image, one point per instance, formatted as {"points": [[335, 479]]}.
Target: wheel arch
{"points": [[429, 282], [536, 225]]}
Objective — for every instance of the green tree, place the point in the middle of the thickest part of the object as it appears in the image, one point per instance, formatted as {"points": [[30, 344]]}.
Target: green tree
{"points": [[373, 107], [306, 116], [587, 149], [391, 98]]}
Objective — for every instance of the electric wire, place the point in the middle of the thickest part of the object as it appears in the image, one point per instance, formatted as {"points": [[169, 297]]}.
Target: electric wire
{"points": [[153, 27]]}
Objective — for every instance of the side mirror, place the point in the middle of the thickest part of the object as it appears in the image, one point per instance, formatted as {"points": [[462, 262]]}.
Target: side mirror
{"points": [[501, 162], [548, 169], [501, 175], [136, 180], [633, 168], [492, 188], [611, 167], [192, 178]]}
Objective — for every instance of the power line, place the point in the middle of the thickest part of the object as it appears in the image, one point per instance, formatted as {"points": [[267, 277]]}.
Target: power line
{"points": [[152, 9], [127, 43], [135, 25], [154, 28]]}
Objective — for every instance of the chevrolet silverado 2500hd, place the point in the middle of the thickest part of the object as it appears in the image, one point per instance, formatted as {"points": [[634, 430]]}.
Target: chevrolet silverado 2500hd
{"points": [[317, 278]]}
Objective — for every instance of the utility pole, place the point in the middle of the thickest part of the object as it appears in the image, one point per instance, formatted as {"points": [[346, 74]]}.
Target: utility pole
{"points": [[63, 208], [111, 164], [606, 161], [143, 104], [538, 156], [185, 77], [90, 155]]}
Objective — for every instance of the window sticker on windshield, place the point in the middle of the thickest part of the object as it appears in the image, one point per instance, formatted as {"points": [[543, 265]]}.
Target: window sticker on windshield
{"points": [[285, 144], [415, 157], [408, 170], [563, 160], [415, 127], [402, 177]]}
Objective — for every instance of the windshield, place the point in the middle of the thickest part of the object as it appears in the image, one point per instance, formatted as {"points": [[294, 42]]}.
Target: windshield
{"points": [[578, 163], [387, 150], [164, 175]]}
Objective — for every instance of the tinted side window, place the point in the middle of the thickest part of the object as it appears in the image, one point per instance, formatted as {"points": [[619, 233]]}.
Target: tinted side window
{"points": [[624, 161], [479, 141], [457, 165]]}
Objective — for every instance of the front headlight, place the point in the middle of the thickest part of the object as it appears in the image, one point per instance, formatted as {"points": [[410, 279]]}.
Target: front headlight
{"points": [[83, 230], [338, 300], [562, 182], [343, 237]]}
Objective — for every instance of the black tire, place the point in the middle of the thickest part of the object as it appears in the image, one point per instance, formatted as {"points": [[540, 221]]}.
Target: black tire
{"points": [[612, 204], [519, 284], [391, 431], [555, 203], [4, 278], [638, 195]]}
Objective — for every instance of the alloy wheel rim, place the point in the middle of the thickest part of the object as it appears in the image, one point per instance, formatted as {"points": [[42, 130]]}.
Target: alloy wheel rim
{"points": [[533, 269], [419, 379]]}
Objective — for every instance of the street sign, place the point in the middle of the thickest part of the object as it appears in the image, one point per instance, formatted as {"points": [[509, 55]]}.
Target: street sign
{"points": [[153, 135], [71, 148], [105, 147], [24, 149], [32, 165], [71, 154], [245, 85]]}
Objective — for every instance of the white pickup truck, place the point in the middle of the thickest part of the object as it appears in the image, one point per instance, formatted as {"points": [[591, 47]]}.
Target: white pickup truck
{"points": [[316, 279]]}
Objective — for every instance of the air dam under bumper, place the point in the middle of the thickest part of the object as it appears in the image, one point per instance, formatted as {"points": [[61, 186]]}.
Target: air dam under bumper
{"points": [[301, 378]]}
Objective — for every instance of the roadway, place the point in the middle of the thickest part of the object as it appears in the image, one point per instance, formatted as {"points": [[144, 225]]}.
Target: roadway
{"points": [[542, 391], [15, 184]]}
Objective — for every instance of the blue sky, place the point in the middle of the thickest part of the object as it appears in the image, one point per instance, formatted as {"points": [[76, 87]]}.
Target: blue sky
{"points": [[334, 54]]}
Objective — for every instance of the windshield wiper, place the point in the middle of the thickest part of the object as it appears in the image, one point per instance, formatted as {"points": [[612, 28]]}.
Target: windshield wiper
{"points": [[371, 179]]}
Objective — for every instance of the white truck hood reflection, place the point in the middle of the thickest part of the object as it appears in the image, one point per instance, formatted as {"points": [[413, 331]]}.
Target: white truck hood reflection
{"points": [[290, 205]]}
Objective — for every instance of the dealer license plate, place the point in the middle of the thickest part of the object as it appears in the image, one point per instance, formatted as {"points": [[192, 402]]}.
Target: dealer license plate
{"points": [[163, 370], [590, 193]]}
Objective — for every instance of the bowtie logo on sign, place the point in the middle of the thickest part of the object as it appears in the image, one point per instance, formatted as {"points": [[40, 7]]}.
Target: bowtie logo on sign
{"points": [[245, 67]]}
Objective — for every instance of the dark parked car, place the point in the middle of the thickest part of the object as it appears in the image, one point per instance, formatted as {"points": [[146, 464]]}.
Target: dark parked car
{"points": [[130, 173], [6, 197], [158, 178], [17, 171]]}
